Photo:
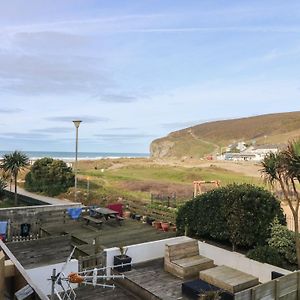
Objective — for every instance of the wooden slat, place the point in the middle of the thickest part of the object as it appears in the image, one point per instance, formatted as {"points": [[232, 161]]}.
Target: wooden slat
{"points": [[244, 295], [265, 291], [228, 279], [287, 286], [183, 250], [192, 261]]}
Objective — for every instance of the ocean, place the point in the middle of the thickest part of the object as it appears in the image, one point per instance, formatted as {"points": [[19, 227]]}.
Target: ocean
{"points": [[70, 156]]}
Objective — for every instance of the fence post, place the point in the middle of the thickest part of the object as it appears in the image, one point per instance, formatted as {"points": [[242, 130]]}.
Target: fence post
{"points": [[8, 230], [298, 284], [276, 292]]}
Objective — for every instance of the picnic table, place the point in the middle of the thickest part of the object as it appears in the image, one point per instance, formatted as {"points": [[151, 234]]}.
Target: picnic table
{"points": [[93, 220], [106, 213]]}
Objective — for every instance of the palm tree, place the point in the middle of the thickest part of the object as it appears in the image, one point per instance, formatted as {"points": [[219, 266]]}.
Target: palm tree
{"points": [[13, 163], [284, 168], [3, 185]]}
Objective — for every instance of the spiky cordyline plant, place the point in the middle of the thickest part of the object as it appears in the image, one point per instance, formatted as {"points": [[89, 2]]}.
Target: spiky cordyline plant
{"points": [[284, 168]]}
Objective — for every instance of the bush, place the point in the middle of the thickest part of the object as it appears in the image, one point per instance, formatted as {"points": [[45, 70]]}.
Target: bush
{"points": [[241, 214], [266, 254], [283, 240], [49, 176]]}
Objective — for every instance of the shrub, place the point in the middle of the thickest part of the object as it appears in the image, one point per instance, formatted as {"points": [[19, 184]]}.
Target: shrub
{"points": [[266, 254], [49, 176], [241, 214], [283, 240], [184, 220]]}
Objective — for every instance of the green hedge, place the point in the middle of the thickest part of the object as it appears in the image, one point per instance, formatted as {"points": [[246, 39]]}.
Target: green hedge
{"points": [[266, 254], [240, 214]]}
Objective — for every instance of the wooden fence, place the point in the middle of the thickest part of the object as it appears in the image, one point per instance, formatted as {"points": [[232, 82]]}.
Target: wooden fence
{"points": [[18, 238], [35, 217], [91, 261], [143, 209], [283, 288], [290, 223], [167, 200]]}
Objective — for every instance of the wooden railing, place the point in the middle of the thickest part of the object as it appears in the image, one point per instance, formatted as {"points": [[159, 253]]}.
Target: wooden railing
{"points": [[91, 261], [18, 238], [144, 209], [286, 287]]}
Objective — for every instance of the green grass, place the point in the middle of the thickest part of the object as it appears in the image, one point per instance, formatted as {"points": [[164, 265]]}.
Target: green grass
{"points": [[176, 174], [110, 183]]}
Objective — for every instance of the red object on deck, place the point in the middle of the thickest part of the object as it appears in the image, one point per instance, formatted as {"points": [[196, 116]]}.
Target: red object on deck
{"points": [[116, 207]]}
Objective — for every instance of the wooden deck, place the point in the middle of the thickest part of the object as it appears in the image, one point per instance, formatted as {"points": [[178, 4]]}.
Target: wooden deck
{"points": [[109, 235], [59, 239], [91, 293], [150, 281]]}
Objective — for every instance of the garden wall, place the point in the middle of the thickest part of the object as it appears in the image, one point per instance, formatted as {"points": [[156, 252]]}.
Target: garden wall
{"points": [[240, 262], [25, 199], [154, 250]]}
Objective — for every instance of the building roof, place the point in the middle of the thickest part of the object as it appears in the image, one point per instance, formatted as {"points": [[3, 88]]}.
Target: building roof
{"points": [[268, 146]]}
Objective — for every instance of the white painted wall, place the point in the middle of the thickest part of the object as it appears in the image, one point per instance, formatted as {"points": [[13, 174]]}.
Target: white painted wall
{"points": [[41, 275], [153, 250], [239, 262], [141, 252]]}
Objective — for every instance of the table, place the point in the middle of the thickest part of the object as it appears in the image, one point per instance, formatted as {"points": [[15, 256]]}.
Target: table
{"points": [[106, 213]]}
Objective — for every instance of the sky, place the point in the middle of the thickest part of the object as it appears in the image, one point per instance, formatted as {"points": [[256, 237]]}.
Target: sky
{"points": [[134, 71]]}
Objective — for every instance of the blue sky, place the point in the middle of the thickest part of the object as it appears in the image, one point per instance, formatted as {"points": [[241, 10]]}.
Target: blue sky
{"points": [[135, 70]]}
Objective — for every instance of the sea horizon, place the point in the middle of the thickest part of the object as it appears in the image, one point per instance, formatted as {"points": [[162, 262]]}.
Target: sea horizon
{"points": [[69, 155]]}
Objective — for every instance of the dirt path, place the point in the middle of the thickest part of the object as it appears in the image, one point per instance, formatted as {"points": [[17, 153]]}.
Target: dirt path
{"points": [[203, 141]]}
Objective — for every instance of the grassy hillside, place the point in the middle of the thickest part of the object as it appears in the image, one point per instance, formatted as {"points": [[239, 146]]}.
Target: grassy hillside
{"points": [[207, 138]]}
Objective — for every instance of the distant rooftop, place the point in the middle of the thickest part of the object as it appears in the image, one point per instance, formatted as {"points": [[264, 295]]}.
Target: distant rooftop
{"points": [[45, 251], [268, 146]]}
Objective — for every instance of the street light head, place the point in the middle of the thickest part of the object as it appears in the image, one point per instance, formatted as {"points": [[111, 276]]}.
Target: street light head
{"points": [[77, 123]]}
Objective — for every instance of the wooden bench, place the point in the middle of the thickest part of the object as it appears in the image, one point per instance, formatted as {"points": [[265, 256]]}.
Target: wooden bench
{"points": [[92, 219], [183, 259], [117, 218], [228, 279]]}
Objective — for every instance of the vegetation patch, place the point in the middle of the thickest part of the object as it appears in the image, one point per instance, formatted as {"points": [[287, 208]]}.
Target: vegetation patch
{"points": [[266, 254], [49, 176], [241, 214]]}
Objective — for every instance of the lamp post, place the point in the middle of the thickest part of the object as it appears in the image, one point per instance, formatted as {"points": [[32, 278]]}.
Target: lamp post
{"points": [[76, 123], [88, 187]]}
